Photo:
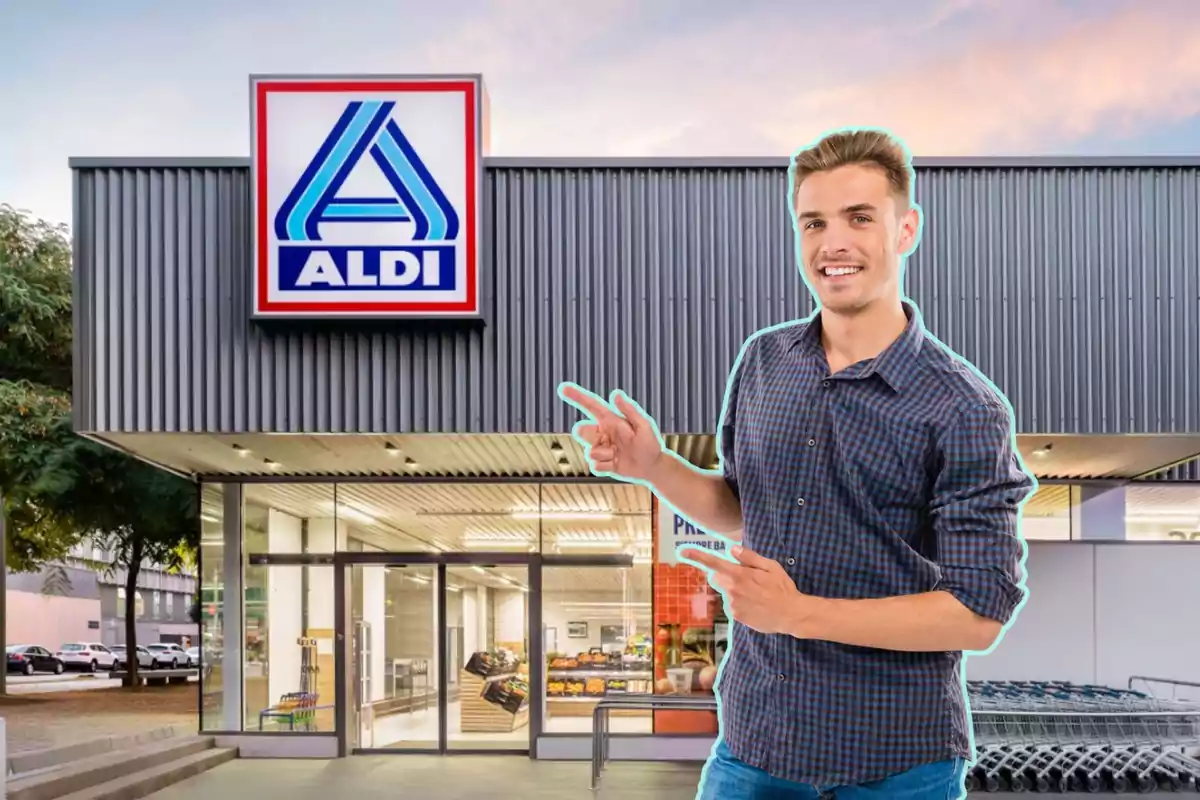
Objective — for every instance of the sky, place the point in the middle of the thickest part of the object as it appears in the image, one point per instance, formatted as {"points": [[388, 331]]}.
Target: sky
{"points": [[609, 77]]}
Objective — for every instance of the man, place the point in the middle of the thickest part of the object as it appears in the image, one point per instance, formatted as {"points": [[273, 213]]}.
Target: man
{"points": [[871, 478]]}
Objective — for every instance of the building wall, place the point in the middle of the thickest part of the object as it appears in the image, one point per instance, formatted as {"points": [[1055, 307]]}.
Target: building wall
{"points": [[1056, 281], [1102, 613], [50, 620]]}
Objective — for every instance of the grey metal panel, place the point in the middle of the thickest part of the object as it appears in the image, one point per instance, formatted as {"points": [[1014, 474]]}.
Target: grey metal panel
{"points": [[1073, 289], [688, 162]]}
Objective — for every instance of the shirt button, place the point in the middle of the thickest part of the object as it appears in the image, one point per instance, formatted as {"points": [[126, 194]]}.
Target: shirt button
{"points": [[800, 502], [825, 384], [780, 676], [791, 562], [812, 442]]}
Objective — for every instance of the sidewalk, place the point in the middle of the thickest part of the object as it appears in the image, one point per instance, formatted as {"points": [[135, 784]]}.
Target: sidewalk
{"points": [[436, 778]]}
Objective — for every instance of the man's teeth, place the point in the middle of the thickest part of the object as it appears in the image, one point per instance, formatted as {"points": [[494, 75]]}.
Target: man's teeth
{"points": [[832, 271]]}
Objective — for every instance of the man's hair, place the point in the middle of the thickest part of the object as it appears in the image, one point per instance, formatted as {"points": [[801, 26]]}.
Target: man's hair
{"points": [[864, 146]]}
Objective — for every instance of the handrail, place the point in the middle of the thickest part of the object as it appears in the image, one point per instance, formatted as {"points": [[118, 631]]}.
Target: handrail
{"points": [[1146, 679], [600, 719]]}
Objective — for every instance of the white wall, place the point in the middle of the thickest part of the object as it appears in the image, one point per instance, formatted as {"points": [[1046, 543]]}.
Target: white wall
{"points": [[1099, 613], [510, 616]]}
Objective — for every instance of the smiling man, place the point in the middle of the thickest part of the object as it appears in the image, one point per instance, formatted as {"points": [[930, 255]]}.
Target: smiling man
{"points": [[875, 481]]}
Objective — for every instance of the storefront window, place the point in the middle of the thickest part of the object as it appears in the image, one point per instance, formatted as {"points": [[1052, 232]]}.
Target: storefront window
{"points": [[212, 608], [1162, 513], [691, 631], [598, 642], [1047, 515], [289, 673]]}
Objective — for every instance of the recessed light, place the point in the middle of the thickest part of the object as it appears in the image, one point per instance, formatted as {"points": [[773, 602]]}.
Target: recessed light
{"points": [[391, 449], [408, 462], [241, 451], [556, 447], [271, 464], [1042, 452]]}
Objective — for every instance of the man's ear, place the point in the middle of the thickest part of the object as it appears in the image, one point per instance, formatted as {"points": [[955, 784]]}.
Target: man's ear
{"points": [[910, 229]]}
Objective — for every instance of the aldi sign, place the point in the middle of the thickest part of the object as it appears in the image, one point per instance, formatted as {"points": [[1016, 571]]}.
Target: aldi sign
{"points": [[366, 196]]}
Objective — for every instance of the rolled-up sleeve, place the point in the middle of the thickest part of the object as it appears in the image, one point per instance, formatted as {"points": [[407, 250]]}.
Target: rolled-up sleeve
{"points": [[978, 491]]}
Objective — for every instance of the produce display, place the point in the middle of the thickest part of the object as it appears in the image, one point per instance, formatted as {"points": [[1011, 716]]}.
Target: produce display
{"points": [[683, 660], [511, 694], [489, 664], [595, 674]]}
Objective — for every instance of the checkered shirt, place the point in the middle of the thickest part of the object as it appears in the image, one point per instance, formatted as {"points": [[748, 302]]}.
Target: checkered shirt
{"points": [[897, 475]]}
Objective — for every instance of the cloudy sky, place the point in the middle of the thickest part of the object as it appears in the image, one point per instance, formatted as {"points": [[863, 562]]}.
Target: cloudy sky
{"points": [[609, 77]]}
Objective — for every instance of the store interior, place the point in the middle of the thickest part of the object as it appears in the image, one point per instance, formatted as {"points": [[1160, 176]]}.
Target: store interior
{"points": [[649, 627]]}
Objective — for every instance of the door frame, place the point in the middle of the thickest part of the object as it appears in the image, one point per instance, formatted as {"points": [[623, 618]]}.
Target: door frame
{"points": [[344, 561]]}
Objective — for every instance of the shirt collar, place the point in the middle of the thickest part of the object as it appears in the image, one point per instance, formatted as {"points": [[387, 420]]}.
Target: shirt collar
{"points": [[896, 365]]}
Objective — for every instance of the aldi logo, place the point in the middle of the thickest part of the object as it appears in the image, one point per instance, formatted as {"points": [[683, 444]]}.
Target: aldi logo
{"points": [[366, 194]]}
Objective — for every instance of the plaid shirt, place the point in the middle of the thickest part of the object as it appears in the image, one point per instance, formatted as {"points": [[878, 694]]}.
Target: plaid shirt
{"points": [[895, 476]]}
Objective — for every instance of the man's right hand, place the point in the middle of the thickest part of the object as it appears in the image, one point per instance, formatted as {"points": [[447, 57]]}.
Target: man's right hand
{"points": [[620, 440]]}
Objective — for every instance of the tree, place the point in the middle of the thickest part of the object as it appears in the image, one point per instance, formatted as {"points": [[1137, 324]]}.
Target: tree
{"points": [[37, 442], [58, 487]]}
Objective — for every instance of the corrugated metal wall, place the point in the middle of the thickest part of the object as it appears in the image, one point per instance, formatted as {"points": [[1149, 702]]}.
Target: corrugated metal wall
{"points": [[1074, 289]]}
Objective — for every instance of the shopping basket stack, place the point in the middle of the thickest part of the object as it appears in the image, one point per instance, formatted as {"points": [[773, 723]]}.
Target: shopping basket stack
{"points": [[1057, 737]]}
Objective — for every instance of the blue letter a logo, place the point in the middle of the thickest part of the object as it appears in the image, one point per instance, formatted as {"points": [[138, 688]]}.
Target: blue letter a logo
{"points": [[366, 126]]}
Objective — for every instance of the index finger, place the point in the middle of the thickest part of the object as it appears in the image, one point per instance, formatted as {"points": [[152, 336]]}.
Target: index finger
{"points": [[703, 558], [587, 402]]}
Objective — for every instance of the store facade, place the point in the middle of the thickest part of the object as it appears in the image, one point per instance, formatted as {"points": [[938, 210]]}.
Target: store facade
{"points": [[402, 548]]}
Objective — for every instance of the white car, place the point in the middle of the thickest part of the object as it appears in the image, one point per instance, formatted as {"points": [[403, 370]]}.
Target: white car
{"points": [[88, 656], [170, 655], [146, 659]]}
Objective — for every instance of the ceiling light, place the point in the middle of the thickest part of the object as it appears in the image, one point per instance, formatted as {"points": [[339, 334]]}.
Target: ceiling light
{"points": [[1042, 452], [209, 518], [408, 462], [589, 543], [271, 464], [391, 449], [354, 514], [241, 451], [556, 447]]}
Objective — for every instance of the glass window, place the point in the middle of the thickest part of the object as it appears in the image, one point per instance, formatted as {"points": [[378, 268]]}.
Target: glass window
{"points": [[691, 630], [438, 517], [121, 602], [1048, 514], [157, 600], [597, 519], [598, 641], [170, 605], [212, 610], [1158, 512], [288, 666], [288, 675]]}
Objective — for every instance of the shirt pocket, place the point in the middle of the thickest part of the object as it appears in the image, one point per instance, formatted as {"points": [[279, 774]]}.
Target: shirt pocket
{"points": [[889, 458]]}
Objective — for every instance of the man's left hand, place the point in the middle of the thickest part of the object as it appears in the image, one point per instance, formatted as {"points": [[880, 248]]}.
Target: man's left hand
{"points": [[758, 591]]}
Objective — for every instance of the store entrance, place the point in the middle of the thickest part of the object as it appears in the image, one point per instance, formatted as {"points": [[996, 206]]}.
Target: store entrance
{"points": [[437, 654]]}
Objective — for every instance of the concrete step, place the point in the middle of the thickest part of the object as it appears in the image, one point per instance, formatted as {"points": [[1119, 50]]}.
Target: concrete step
{"points": [[92, 770], [148, 781], [30, 762]]}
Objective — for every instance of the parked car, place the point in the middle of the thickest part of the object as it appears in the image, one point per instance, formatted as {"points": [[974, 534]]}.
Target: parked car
{"points": [[146, 659], [88, 656], [170, 655], [30, 658]]}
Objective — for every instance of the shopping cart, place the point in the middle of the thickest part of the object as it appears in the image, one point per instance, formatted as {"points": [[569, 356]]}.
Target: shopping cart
{"points": [[1057, 737]]}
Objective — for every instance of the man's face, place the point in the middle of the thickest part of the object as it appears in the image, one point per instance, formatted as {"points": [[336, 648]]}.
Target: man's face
{"points": [[853, 230]]}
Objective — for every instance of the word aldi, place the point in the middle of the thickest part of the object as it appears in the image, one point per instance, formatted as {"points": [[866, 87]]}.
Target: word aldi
{"points": [[366, 194]]}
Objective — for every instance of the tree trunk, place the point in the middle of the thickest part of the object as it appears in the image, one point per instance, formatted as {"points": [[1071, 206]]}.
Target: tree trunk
{"points": [[132, 668]]}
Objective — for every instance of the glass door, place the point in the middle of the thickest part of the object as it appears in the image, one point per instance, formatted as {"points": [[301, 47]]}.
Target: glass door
{"points": [[392, 635], [487, 645]]}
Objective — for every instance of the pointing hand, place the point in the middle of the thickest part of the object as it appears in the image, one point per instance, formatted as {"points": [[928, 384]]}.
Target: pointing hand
{"points": [[620, 440]]}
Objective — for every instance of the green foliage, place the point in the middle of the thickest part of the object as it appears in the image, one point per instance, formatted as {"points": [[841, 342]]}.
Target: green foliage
{"points": [[59, 487], [56, 581], [35, 300]]}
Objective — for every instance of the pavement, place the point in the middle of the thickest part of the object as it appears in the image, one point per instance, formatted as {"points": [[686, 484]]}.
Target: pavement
{"points": [[34, 721], [451, 777]]}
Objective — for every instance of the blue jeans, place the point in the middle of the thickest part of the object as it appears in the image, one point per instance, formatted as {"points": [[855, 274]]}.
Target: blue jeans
{"points": [[726, 778]]}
